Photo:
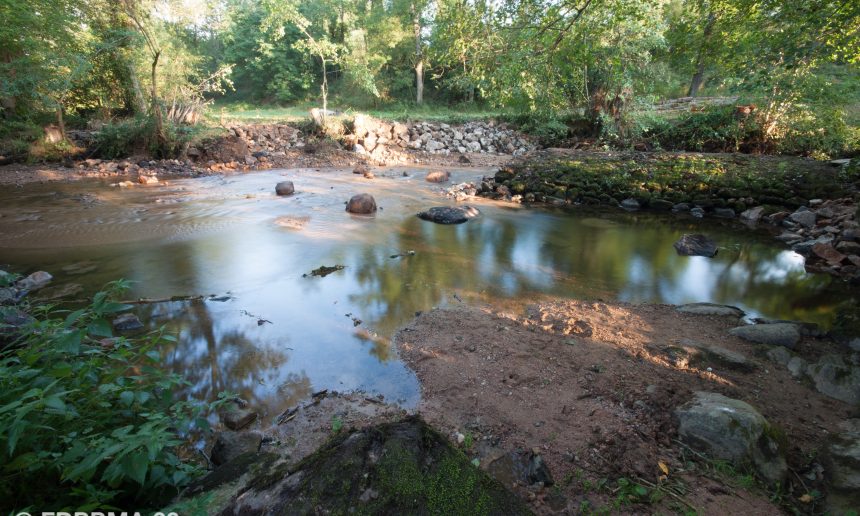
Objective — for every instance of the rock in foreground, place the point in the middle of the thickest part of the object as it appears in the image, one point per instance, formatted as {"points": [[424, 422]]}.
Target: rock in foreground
{"points": [[696, 245], [449, 214], [285, 188], [776, 334], [731, 430], [843, 465], [711, 309], [404, 467], [361, 204], [437, 176]]}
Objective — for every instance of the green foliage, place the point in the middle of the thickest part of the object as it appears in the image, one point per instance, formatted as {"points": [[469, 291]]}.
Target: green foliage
{"points": [[87, 422], [336, 424], [126, 137], [628, 492], [716, 129]]}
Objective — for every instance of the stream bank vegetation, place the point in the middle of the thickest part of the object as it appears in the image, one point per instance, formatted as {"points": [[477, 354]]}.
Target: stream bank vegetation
{"points": [[89, 420], [754, 76]]}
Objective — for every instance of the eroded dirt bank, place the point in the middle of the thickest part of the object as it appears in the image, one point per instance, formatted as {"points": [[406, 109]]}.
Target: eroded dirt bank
{"points": [[592, 388]]}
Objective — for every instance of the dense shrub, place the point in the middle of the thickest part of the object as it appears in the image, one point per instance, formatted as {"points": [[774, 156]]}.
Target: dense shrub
{"points": [[135, 135], [716, 129], [87, 422]]}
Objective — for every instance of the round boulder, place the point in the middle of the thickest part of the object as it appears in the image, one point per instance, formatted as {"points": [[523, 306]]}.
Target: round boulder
{"points": [[696, 245], [285, 188], [731, 430], [438, 176], [449, 214], [361, 204]]}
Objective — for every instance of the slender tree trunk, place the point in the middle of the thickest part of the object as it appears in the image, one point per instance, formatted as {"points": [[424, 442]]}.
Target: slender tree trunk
{"points": [[419, 82], [324, 91], [699, 75], [61, 122], [698, 80], [419, 56], [156, 107], [139, 103]]}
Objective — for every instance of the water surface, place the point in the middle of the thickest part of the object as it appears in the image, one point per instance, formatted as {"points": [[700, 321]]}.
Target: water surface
{"points": [[233, 236]]}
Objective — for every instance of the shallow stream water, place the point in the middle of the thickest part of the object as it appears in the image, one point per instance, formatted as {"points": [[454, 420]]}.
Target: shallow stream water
{"points": [[233, 236]]}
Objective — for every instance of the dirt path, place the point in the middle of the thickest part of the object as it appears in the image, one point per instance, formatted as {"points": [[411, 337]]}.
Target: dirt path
{"points": [[591, 386]]}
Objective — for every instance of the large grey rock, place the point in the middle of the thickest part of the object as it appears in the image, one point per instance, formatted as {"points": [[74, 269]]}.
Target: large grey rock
{"points": [[630, 204], [34, 281], [449, 214], [777, 334], [710, 309], [8, 296], [696, 245], [805, 247], [779, 355], [796, 367], [229, 445], [236, 418], [833, 377], [731, 430], [362, 204], [752, 214], [285, 188], [805, 218], [712, 354], [690, 353], [842, 466]]}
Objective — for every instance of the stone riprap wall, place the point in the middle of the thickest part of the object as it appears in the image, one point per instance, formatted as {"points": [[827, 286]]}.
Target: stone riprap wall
{"points": [[379, 139]]}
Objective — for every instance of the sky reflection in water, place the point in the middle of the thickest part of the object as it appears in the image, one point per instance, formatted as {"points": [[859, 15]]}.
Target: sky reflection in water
{"points": [[214, 236]]}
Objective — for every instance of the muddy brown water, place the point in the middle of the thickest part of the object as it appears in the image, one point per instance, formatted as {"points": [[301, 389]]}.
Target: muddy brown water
{"points": [[233, 236]]}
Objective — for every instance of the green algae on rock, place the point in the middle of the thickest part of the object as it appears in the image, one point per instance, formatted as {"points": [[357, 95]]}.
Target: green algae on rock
{"points": [[404, 467]]}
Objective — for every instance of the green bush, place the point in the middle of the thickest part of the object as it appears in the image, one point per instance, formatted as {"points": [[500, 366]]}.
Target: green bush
{"points": [[716, 129], [89, 423], [135, 135]]}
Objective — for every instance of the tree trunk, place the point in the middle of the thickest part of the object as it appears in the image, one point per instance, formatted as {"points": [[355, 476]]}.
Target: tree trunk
{"points": [[419, 56], [699, 75], [698, 80], [156, 107], [61, 123], [139, 103], [419, 82], [324, 89]]}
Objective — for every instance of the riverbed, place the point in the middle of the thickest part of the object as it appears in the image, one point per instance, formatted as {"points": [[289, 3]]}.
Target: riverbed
{"points": [[273, 333]]}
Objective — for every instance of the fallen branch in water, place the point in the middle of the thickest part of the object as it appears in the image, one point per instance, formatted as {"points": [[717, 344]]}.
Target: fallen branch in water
{"points": [[147, 301]]}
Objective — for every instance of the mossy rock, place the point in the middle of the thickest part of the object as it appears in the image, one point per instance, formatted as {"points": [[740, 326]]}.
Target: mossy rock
{"points": [[661, 204], [404, 467], [518, 187]]}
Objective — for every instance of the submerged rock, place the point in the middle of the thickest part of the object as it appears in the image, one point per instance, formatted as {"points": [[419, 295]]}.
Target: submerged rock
{"points": [[777, 334], [731, 430], [127, 322], [449, 214], [696, 245], [437, 176], [361, 204]]}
